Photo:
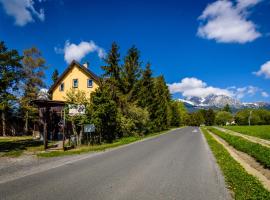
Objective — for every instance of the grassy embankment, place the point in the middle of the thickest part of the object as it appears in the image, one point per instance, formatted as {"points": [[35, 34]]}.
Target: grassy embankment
{"points": [[257, 151], [15, 146], [243, 185], [102, 147], [262, 132]]}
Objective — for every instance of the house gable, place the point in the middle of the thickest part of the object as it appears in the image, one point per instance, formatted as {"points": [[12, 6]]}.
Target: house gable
{"points": [[74, 71]]}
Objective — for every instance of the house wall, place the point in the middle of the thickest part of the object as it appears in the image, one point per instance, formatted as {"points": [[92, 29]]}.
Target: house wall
{"points": [[74, 73]]}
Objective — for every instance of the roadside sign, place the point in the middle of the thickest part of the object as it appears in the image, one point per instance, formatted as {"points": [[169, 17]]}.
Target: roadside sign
{"points": [[76, 109], [88, 128]]}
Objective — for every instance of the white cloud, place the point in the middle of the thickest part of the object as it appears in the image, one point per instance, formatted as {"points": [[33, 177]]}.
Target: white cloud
{"points": [[265, 94], [239, 93], [264, 70], [193, 87], [22, 10], [225, 21], [77, 52]]}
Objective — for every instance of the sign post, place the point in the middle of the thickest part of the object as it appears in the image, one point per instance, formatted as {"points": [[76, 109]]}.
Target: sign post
{"points": [[88, 129]]}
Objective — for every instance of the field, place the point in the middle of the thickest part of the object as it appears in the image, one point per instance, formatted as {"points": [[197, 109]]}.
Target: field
{"points": [[256, 131], [243, 185], [257, 151]]}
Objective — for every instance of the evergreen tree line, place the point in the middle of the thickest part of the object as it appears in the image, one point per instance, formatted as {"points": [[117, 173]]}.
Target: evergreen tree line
{"points": [[129, 100]]}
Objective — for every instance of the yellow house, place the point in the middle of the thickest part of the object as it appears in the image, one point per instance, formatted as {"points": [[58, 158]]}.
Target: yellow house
{"points": [[76, 76]]}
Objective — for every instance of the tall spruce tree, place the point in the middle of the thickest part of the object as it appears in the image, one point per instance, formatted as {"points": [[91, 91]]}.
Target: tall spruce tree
{"points": [[112, 69], [159, 114], [104, 112], [10, 76], [131, 70], [55, 75], [227, 108], [146, 88], [33, 67]]}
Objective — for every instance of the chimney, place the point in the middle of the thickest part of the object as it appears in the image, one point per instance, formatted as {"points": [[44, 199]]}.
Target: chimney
{"points": [[86, 64]]}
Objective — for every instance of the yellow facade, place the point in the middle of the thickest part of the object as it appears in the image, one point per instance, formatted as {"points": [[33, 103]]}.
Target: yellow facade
{"points": [[74, 73]]}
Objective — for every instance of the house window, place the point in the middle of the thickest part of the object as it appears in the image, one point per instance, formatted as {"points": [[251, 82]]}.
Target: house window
{"points": [[89, 83], [62, 87], [75, 83]]}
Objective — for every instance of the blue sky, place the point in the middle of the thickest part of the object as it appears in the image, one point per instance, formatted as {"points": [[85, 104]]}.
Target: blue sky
{"points": [[201, 47]]}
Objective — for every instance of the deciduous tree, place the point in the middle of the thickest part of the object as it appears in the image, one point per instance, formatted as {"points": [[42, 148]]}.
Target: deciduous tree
{"points": [[33, 69]]}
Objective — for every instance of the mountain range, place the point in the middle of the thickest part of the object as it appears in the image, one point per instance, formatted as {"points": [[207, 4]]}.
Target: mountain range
{"points": [[219, 101]]}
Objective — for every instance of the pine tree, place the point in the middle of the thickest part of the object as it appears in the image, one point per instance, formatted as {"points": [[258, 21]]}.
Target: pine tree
{"points": [[146, 88], [55, 75], [112, 70], [175, 113], [159, 111], [33, 67], [209, 117], [131, 70], [227, 108], [104, 113], [10, 76]]}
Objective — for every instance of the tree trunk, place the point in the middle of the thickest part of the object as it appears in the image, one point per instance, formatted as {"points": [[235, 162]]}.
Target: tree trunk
{"points": [[3, 123], [75, 132], [26, 122], [80, 137]]}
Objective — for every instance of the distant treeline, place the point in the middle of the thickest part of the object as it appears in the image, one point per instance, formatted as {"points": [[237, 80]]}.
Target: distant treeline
{"points": [[226, 117]]}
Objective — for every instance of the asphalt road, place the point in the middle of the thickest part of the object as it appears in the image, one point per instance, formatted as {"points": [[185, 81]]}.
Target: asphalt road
{"points": [[177, 165]]}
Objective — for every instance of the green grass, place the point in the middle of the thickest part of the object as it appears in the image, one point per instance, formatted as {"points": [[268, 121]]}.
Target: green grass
{"points": [[257, 151], [94, 148], [243, 185], [257, 131], [15, 146]]}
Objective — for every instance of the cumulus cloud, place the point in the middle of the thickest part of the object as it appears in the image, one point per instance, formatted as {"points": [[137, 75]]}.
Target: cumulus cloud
{"points": [[265, 94], [23, 11], [239, 93], [227, 22], [193, 87], [264, 70], [78, 51]]}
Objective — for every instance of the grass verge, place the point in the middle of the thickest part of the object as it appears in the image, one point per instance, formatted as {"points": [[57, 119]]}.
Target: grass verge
{"points": [[94, 148], [257, 151], [243, 185], [15, 146], [262, 131]]}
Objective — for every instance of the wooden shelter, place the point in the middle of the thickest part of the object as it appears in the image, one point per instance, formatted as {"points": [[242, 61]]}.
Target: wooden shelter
{"points": [[51, 116]]}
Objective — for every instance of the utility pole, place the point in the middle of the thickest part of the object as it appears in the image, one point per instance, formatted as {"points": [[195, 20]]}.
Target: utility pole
{"points": [[249, 117]]}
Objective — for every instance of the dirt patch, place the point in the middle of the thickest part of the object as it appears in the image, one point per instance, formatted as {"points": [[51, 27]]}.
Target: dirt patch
{"points": [[247, 162]]}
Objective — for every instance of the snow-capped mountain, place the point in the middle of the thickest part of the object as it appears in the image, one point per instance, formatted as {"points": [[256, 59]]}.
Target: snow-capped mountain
{"points": [[219, 101]]}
